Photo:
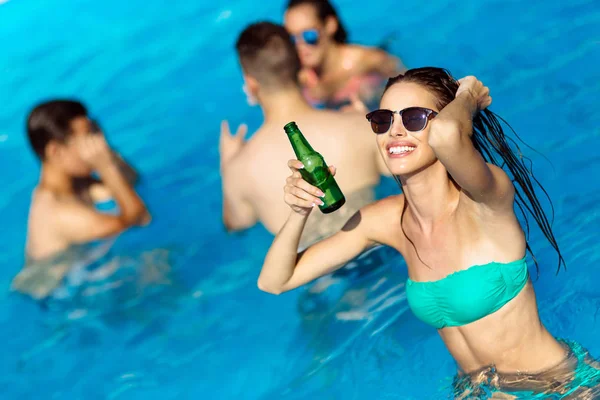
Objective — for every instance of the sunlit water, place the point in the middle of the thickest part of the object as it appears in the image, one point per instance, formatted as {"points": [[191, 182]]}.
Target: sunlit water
{"points": [[160, 78]]}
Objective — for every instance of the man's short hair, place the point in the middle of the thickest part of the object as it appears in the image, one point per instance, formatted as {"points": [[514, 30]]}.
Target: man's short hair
{"points": [[52, 121], [267, 53]]}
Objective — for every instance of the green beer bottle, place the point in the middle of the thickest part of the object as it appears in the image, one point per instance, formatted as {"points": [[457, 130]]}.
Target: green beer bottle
{"points": [[315, 171]]}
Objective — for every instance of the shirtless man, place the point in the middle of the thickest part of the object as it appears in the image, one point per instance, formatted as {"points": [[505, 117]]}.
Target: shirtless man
{"points": [[62, 212], [252, 171]]}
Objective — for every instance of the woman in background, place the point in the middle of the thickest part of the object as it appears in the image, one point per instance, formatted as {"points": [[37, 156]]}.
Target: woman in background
{"points": [[334, 72]]}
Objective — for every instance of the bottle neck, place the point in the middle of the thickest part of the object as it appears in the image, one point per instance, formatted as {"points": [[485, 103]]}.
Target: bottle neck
{"points": [[300, 145]]}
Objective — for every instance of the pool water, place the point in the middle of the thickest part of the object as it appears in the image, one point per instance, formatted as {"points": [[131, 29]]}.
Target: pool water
{"points": [[160, 78]]}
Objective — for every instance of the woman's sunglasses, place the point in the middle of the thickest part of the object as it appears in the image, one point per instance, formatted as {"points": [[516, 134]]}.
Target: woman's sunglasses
{"points": [[414, 119], [309, 36]]}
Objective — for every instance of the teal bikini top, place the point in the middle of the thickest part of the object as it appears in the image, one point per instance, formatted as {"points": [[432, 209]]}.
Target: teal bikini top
{"points": [[468, 295]]}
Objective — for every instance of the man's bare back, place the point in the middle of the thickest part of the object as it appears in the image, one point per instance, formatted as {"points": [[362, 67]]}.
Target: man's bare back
{"points": [[253, 172], [345, 141]]}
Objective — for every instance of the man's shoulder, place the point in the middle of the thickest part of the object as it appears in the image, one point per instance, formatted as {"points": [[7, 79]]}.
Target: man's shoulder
{"points": [[51, 205], [335, 117], [264, 142], [344, 124], [43, 200], [46, 212]]}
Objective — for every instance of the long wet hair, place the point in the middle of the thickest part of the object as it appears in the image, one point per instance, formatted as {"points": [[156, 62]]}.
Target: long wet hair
{"points": [[324, 9], [490, 141]]}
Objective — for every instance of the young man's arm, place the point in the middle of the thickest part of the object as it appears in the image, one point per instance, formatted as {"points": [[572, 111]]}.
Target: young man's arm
{"points": [[238, 213], [129, 173], [77, 222], [96, 188]]}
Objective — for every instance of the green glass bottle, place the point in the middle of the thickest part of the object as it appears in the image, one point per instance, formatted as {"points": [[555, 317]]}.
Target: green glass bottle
{"points": [[315, 171]]}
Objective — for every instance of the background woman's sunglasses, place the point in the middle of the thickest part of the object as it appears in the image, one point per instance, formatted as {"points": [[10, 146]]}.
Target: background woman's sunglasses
{"points": [[309, 36], [414, 119]]}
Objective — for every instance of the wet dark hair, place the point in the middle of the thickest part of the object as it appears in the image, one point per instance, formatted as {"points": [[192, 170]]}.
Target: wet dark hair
{"points": [[52, 121], [267, 53], [490, 141], [324, 9]]}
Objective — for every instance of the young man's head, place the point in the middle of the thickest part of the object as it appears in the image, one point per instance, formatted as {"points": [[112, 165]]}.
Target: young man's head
{"points": [[51, 128], [268, 57]]}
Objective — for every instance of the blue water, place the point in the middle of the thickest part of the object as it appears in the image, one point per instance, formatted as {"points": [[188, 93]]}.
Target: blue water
{"points": [[160, 76]]}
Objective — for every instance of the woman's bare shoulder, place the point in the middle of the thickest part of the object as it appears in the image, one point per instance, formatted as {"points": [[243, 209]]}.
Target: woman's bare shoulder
{"points": [[382, 220], [386, 210]]}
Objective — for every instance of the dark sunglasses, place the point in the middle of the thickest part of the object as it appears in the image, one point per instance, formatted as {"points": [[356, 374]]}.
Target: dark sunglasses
{"points": [[309, 36], [414, 119]]}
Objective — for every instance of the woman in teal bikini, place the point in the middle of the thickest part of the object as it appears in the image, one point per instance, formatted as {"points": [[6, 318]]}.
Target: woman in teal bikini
{"points": [[456, 228]]}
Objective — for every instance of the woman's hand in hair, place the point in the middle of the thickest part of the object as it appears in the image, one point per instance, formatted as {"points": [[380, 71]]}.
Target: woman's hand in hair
{"points": [[473, 87]]}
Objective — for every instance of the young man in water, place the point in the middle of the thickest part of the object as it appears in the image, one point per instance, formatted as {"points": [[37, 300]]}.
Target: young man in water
{"points": [[62, 213], [252, 170]]}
